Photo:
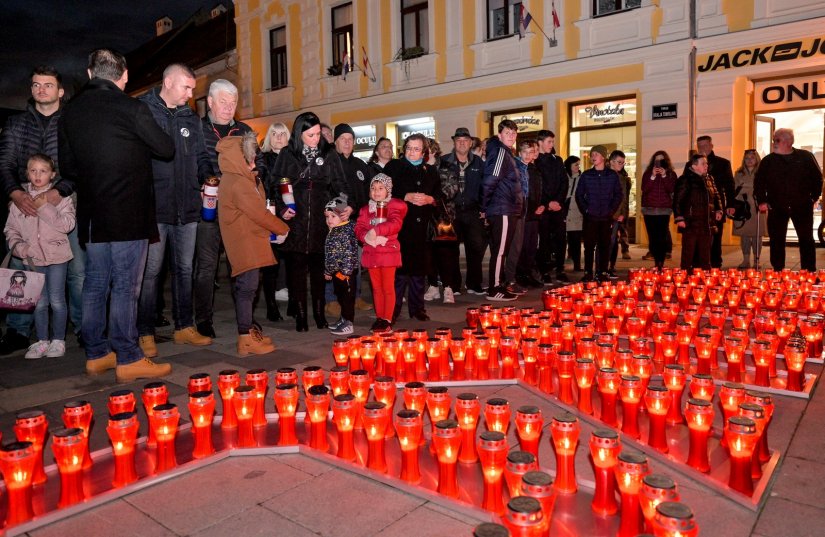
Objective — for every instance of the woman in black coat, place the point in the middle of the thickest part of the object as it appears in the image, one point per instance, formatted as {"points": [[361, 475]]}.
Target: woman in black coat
{"points": [[315, 172], [418, 184], [697, 208]]}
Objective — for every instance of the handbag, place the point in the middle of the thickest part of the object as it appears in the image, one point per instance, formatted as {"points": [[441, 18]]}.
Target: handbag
{"points": [[741, 207], [20, 290], [442, 228]]}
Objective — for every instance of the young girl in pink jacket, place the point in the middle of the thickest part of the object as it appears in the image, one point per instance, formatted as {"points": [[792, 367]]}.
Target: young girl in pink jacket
{"points": [[377, 227], [41, 242]]}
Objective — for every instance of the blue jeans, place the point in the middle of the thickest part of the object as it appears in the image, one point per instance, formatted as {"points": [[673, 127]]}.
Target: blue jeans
{"points": [[182, 240], [19, 322], [54, 295], [117, 266], [74, 281]]}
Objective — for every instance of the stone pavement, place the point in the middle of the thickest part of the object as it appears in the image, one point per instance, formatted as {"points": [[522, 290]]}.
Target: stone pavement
{"points": [[297, 495]]}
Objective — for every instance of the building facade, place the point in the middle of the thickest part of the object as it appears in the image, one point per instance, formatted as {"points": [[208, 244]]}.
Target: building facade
{"points": [[637, 75]]}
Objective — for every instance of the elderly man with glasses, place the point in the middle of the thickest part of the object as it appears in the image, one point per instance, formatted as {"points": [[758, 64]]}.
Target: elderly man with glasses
{"points": [[787, 185]]}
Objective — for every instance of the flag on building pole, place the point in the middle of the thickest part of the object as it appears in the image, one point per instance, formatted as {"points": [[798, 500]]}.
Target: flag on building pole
{"points": [[556, 22], [346, 68], [524, 19], [367, 65]]}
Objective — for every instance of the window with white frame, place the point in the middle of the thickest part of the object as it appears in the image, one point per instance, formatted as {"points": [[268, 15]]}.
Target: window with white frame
{"points": [[502, 18], [341, 33], [277, 58], [606, 7], [415, 30]]}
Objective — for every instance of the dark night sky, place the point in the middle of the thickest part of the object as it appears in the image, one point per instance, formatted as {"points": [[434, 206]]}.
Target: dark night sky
{"points": [[62, 33]]}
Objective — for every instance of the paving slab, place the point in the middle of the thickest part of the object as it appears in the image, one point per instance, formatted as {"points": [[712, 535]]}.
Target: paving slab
{"points": [[255, 521], [785, 518], [114, 518], [426, 522]]}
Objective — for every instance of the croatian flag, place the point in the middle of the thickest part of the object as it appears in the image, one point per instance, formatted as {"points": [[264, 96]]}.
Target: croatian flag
{"points": [[556, 22], [524, 19], [347, 67]]}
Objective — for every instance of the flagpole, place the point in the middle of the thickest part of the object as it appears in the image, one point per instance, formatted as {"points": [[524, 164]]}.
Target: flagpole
{"points": [[549, 41]]}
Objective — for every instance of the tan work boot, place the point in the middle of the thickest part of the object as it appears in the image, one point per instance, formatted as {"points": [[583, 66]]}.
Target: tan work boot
{"points": [[333, 309], [147, 345], [191, 336], [253, 343], [362, 305], [142, 369], [102, 364], [266, 339]]}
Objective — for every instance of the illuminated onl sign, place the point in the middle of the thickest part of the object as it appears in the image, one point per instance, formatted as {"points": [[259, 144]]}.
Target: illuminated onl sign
{"points": [[789, 93]]}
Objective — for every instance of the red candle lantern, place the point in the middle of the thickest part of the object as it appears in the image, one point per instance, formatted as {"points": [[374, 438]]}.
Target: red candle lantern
{"points": [[529, 423], [604, 450], [565, 430], [762, 354], [472, 317], [811, 328], [154, 394], [509, 357], [670, 345], [482, 357], [228, 381], [69, 445], [630, 392], [734, 354], [121, 401], [390, 352], [492, 452], [643, 368], [354, 353], [741, 438], [624, 361], [164, 421], [340, 352], [702, 387], [674, 519], [684, 334], [704, 351], [608, 384], [198, 382], [546, 360], [539, 486], [565, 364], [31, 426], [376, 420], [258, 379], [79, 414], [630, 471], [730, 396], [409, 428], [656, 488], [384, 390], [286, 375], [338, 380], [359, 386], [433, 349], [467, 411], [518, 463], [657, 402], [530, 352], [415, 396], [286, 403], [604, 354], [17, 460], [369, 348], [458, 350], [317, 402], [123, 431], [409, 351], [585, 372], [674, 378], [313, 375], [766, 402], [344, 412], [245, 402], [201, 412], [795, 357], [524, 518], [447, 441], [420, 336], [438, 407], [497, 415]]}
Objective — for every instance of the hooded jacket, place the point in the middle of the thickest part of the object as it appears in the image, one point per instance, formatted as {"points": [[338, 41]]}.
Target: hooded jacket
{"points": [[178, 180], [43, 237], [244, 219], [502, 182]]}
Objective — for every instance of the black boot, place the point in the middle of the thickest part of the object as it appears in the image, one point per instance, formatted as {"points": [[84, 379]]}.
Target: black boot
{"points": [[301, 316], [318, 313], [273, 313], [290, 308]]}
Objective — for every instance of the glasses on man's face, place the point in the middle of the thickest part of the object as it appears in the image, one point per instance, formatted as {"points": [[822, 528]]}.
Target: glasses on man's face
{"points": [[413, 149]]}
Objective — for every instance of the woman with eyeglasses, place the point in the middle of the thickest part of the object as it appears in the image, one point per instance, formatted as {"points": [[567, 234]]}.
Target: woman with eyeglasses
{"points": [[658, 183], [381, 155], [750, 236], [417, 183], [698, 211]]}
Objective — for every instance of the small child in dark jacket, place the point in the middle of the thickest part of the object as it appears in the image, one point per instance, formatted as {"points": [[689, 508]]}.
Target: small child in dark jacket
{"points": [[341, 262]]}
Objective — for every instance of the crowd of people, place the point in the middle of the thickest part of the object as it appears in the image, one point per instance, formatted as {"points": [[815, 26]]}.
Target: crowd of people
{"points": [[107, 191]]}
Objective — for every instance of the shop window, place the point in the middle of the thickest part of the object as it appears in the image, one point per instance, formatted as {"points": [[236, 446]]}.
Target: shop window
{"points": [[502, 18], [341, 35], [277, 58], [606, 7], [415, 31]]}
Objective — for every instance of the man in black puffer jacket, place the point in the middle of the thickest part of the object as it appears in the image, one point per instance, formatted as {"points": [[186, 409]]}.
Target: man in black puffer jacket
{"points": [[177, 184], [502, 204]]}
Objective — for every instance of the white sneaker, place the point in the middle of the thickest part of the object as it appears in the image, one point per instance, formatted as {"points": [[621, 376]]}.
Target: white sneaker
{"points": [[37, 350], [57, 348], [449, 297], [282, 295], [432, 293]]}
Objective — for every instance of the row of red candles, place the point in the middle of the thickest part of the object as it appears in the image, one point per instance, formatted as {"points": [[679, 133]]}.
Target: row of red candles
{"points": [[452, 441]]}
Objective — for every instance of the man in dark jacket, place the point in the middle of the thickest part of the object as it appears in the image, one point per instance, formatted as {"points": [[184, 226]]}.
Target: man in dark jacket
{"points": [[106, 142], [35, 131], [787, 184], [502, 204], [178, 183], [552, 230], [469, 223], [219, 123], [598, 195], [720, 169]]}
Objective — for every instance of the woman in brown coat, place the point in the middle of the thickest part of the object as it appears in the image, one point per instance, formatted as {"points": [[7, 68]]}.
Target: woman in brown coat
{"points": [[245, 226]]}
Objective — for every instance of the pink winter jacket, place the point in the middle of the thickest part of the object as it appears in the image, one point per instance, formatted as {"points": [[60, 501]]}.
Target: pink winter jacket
{"points": [[388, 255], [43, 238]]}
